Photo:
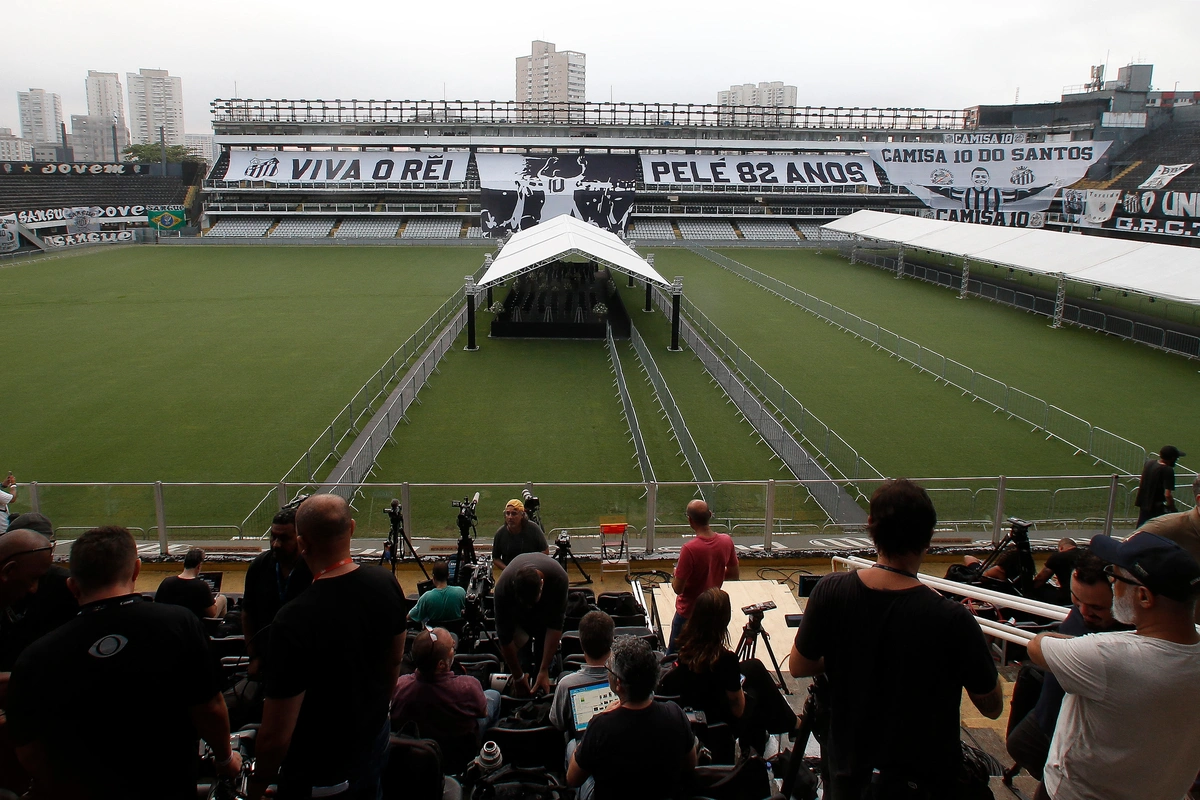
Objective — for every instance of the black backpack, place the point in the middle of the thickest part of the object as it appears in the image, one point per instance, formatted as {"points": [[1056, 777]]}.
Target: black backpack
{"points": [[414, 768], [511, 782]]}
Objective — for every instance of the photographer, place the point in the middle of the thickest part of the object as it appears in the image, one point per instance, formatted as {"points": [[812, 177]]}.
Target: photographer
{"points": [[519, 534], [531, 604], [441, 603], [898, 657]]}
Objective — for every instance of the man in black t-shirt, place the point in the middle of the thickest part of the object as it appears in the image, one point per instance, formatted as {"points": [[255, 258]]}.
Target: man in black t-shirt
{"points": [[274, 578], [189, 590], [112, 703], [1060, 565], [335, 657], [531, 604], [519, 534], [1156, 487], [638, 747], [898, 657]]}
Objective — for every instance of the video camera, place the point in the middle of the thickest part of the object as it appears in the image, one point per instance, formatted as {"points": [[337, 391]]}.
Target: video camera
{"points": [[397, 515], [563, 540], [758, 609], [533, 506], [466, 512], [479, 587]]}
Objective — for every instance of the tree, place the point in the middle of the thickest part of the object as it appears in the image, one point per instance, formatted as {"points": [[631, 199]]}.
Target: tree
{"points": [[152, 153]]}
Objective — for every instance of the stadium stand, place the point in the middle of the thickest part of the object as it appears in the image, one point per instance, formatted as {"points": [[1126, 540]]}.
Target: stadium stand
{"points": [[241, 227], [775, 230], [432, 228], [706, 229], [1176, 143], [303, 227], [652, 229], [812, 230], [476, 232], [368, 228], [28, 192]]}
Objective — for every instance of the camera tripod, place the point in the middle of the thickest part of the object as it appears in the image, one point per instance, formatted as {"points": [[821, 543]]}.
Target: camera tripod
{"points": [[396, 540], [466, 545], [562, 552], [748, 645]]}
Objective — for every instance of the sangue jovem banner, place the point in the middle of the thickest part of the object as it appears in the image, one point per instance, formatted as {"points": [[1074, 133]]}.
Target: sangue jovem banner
{"points": [[289, 166], [1012, 177]]}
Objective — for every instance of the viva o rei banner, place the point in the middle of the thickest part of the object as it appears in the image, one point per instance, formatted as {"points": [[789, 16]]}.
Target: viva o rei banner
{"points": [[1168, 213], [518, 192], [290, 166], [767, 171], [9, 238], [986, 183]]}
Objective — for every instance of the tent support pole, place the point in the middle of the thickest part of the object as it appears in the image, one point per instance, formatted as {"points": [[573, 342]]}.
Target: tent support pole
{"points": [[649, 305], [1060, 302], [471, 291], [900, 265], [676, 300], [966, 277]]}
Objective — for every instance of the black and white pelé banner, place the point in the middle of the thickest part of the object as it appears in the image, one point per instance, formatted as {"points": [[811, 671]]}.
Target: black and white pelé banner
{"points": [[766, 171], [518, 191], [9, 238], [1011, 177], [289, 166]]}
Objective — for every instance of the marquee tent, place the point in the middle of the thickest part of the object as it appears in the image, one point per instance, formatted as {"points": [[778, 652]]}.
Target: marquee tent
{"points": [[1165, 271], [566, 236]]}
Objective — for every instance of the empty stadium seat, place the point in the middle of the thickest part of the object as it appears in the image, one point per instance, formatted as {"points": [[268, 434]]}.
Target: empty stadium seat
{"points": [[706, 229], [303, 228], [767, 229], [368, 228], [240, 227], [652, 229], [476, 232], [813, 230], [432, 228], [30, 192]]}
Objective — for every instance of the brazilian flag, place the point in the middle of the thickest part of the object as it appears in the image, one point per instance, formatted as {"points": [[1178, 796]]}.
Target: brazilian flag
{"points": [[167, 220]]}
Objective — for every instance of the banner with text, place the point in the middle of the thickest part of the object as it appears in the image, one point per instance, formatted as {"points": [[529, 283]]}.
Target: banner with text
{"points": [[166, 218], [1000, 219], [518, 192], [40, 168], [767, 171], [1014, 177], [1167, 213], [9, 238], [80, 218], [288, 166], [76, 239], [1163, 175]]}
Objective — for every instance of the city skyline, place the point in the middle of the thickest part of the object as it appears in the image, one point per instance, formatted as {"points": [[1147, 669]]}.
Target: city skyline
{"points": [[924, 54]]}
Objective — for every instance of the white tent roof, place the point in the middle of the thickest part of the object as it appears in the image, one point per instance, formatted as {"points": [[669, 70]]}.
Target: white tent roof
{"points": [[1160, 270], [564, 236]]}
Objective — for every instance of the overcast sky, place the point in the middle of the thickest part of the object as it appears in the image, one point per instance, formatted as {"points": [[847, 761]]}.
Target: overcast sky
{"points": [[901, 53]]}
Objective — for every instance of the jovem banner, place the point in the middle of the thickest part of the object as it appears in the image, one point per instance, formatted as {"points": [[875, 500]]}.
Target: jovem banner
{"points": [[287, 166], [518, 192], [1009, 177], [9, 238], [49, 170], [767, 171]]}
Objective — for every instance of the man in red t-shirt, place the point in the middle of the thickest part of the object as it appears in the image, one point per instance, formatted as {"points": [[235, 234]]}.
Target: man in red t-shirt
{"points": [[706, 561]]}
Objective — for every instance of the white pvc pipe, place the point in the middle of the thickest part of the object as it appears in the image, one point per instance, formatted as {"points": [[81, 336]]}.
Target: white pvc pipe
{"points": [[1006, 632], [1035, 607]]}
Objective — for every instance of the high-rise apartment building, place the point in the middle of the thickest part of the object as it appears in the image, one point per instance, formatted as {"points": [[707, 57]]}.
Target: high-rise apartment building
{"points": [[202, 146], [106, 100], [549, 75], [41, 116], [13, 147], [94, 138], [773, 93], [155, 100]]}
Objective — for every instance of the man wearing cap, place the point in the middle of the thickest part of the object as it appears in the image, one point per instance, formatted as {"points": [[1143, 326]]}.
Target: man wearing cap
{"points": [[1128, 728], [519, 534], [1156, 488]]}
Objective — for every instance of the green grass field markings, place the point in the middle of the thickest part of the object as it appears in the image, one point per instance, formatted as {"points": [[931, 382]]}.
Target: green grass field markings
{"points": [[1111, 449], [903, 423], [628, 412], [668, 462], [1100, 378]]}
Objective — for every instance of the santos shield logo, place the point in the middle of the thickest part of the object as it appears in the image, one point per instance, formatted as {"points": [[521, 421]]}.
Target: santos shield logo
{"points": [[258, 169], [108, 646]]}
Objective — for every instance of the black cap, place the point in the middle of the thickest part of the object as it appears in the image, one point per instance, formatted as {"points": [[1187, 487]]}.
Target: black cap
{"points": [[1170, 454], [1159, 564], [32, 521]]}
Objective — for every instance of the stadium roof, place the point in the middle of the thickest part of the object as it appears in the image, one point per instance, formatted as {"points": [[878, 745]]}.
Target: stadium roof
{"points": [[566, 236], [1168, 271]]}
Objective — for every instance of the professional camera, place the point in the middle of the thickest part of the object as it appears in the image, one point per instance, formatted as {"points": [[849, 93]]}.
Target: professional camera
{"points": [[758, 609], [466, 512], [481, 582], [533, 506], [563, 540], [397, 515]]}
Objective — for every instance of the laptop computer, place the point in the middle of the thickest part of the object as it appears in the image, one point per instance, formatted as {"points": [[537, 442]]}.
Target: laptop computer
{"points": [[213, 579], [587, 701]]}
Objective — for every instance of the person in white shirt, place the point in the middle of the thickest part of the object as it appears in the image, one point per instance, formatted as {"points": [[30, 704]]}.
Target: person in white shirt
{"points": [[8, 493], [1128, 728]]}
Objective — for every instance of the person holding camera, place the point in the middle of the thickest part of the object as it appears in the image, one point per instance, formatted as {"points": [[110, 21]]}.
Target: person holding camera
{"points": [[519, 534], [441, 603], [531, 606], [898, 656]]}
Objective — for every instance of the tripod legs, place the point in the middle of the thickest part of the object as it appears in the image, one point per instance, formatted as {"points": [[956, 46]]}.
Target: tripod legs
{"points": [[562, 556], [747, 647]]}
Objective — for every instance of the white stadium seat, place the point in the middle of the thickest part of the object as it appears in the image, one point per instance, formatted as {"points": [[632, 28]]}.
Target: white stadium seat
{"points": [[651, 229], [767, 229], [303, 228], [368, 228], [432, 228], [240, 226], [706, 229]]}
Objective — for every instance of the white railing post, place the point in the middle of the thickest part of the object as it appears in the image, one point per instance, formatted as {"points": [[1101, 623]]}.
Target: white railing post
{"points": [[406, 508], [651, 510], [998, 521], [1114, 485], [281, 495], [769, 522], [35, 503], [160, 516]]}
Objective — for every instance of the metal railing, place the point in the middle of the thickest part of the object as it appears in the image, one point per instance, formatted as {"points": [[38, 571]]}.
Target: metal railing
{"points": [[500, 112], [627, 409], [666, 401], [1151, 335], [1104, 446]]}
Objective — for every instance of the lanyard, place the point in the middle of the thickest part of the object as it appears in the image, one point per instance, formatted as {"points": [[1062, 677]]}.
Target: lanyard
{"points": [[331, 567], [886, 568], [281, 585]]}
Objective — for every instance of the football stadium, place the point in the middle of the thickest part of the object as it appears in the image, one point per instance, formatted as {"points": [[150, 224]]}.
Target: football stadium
{"points": [[600, 314]]}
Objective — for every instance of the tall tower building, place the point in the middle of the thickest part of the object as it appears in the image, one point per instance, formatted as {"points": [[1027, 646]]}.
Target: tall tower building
{"points": [[155, 100], [548, 75], [41, 116], [773, 93]]}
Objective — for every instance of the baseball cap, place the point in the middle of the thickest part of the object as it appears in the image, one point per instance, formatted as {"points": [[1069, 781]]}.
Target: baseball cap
{"points": [[1170, 453], [1159, 564], [32, 521], [517, 504]]}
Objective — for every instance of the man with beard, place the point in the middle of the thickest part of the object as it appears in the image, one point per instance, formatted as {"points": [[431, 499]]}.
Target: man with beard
{"points": [[274, 578], [1128, 726]]}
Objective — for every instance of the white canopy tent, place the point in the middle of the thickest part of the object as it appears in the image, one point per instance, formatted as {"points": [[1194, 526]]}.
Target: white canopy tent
{"points": [[1164, 271], [566, 236]]}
